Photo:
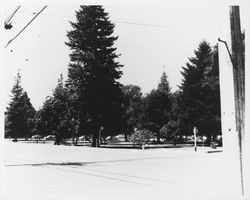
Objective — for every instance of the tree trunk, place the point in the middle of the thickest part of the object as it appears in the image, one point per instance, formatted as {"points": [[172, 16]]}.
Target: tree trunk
{"points": [[214, 137], [57, 140], [202, 142], [95, 142], [208, 139], [126, 136], [158, 138], [175, 141]]}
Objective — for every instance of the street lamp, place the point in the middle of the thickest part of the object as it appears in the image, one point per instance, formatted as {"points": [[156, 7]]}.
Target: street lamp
{"points": [[100, 130]]}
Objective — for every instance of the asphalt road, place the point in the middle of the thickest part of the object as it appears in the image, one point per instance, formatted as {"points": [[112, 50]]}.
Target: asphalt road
{"points": [[39, 171]]}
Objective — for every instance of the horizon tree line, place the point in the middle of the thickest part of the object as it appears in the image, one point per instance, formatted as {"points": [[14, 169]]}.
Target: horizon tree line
{"points": [[92, 96]]}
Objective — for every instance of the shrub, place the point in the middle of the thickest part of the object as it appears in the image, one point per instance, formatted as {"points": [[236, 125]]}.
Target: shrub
{"points": [[141, 137], [168, 131]]}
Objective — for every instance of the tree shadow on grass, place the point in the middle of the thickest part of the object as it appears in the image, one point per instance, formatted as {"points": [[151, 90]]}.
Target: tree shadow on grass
{"points": [[52, 164]]}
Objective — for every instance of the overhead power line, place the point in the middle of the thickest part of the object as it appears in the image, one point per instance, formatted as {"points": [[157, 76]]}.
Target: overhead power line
{"points": [[51, 15], [153, 25], [7, 24], [26, 26], [129, 23], [12, 15]]}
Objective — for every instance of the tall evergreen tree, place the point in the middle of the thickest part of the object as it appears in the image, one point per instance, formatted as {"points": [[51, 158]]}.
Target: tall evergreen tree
{"points": [[211, 97], [20, 113], [54, 117], [158, 107], [29, 115], [199, 100], [163, 86], [93, 71]]}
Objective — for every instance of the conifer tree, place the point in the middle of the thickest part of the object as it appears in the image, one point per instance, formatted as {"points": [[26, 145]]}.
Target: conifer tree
{"points": [[158, 107], [54, 117], [20, 113], [199, 99], [94, 71], [163, 86]]}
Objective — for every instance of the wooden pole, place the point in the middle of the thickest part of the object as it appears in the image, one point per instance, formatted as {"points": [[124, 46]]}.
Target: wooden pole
{"points": [[239, 80]]}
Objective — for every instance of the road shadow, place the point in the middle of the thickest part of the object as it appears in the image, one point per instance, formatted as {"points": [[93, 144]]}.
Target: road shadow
{"points": [[80, 164]]}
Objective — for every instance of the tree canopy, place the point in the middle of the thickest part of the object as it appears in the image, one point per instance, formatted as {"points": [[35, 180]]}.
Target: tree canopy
{"points": [[94, 71], [199, 102], [20, 113], [158, 106]]}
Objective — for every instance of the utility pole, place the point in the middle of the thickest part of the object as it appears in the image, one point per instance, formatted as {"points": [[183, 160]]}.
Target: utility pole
{"points": [[239, 80]]}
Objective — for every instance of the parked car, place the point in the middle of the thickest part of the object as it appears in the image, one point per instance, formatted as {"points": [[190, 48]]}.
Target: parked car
{"points": [[201, 139], [36, 137], [219, 140], [84, 138], [50, 137], [190, 138]]}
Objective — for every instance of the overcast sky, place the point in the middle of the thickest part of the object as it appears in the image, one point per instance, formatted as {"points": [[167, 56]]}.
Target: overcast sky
{"points": [[171, 34]]}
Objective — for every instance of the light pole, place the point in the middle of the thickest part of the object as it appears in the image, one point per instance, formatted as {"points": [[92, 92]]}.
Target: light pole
{"points": [[195, 131], [100, 130], [73, 131]]}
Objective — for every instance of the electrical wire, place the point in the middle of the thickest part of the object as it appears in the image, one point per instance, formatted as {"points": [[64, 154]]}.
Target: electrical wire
{"points": [[12, 15], [25, 26], [153, 25], [126, 22]]}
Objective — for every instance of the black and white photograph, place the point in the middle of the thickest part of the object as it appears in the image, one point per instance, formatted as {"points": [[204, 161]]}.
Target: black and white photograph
{"points": [[125, 100]]}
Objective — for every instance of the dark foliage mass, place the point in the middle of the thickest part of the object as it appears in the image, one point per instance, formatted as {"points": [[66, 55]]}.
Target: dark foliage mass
{"points": [[199, 99], [19, 117], [94, 71], [158, 107], [91, 102]]}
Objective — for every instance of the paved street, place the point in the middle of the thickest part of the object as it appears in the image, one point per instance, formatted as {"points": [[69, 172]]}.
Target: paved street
{"points": [[67, 172]]}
